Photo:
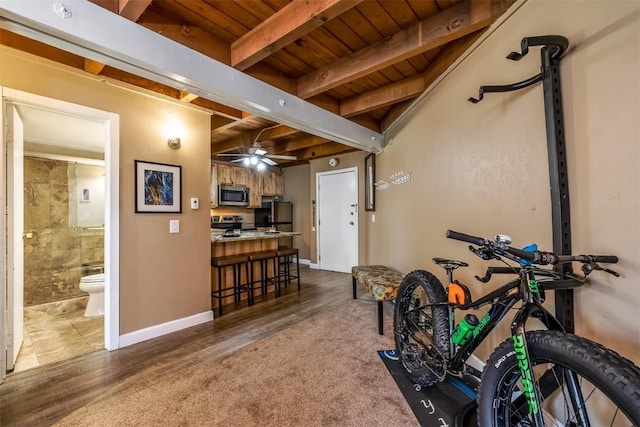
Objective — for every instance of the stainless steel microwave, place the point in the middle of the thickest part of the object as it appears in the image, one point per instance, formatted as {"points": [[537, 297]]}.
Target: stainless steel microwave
{"points": [[233, 196]]}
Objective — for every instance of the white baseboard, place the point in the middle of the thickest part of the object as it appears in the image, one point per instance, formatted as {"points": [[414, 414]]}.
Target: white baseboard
{"points": [[314, 266], [164, 328], [303, 261]]}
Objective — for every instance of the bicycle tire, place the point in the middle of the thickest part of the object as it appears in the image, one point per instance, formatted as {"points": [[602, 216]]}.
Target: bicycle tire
{"points": [[599, 369], [423, 359]]}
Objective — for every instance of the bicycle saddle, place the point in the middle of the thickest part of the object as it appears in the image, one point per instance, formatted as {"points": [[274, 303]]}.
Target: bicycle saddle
{"points": [[449, 263]]}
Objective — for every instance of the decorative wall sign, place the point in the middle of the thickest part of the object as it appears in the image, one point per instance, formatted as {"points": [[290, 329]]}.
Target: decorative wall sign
{"points": [[158, 187]]}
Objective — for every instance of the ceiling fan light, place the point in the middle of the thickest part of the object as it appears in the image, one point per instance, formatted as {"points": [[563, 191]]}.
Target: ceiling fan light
{"points": [[254, 160], [260, 166], [246, 161]]}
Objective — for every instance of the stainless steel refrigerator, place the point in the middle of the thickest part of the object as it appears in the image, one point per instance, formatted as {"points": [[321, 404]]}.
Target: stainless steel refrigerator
{"points": [[278, 214]]}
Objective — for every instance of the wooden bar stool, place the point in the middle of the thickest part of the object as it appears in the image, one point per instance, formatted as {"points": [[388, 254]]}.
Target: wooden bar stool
{"points": [[284, 261], [235, 262], [264, 257]]}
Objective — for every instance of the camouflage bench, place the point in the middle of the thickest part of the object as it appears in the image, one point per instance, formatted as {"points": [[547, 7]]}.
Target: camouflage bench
{"points": [[380, 281]]}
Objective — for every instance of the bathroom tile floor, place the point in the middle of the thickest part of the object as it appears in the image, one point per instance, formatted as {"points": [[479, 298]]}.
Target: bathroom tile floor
{"points": [[58, 331]]}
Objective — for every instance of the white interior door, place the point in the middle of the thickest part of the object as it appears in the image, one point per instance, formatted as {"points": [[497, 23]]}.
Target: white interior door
{"points": [[15, 230], [337, 194]]}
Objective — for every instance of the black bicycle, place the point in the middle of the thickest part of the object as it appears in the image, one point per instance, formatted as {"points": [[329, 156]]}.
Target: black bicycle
{"points": [[535, 378]]}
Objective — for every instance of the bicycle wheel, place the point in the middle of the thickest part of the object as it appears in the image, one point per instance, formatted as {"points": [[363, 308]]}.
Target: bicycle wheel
{"points": [[421, 331], [606, 383]]}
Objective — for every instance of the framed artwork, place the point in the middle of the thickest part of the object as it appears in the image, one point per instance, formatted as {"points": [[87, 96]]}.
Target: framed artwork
{"points": [[369, 179], [158, 187], [86, 195]]}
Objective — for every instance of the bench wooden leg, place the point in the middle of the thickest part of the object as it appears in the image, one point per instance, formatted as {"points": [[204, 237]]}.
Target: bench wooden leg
{"points": [[380, 322], [353, 279]]}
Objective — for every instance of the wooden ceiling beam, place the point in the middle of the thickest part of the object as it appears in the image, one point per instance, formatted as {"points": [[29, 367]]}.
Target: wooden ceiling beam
{"points": [[16, 41], [411, 87], [132, 9], [387, 95], [301, 143], [453, 23], [324, 150], [188, 35], [246, 139], [291, 22]]}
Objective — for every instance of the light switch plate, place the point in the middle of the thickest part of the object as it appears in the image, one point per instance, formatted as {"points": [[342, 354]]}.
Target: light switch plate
{"points": [[174, 226], [195, 203]]}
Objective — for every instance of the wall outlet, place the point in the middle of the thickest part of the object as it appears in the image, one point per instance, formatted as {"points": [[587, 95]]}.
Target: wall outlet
{"points": [[195, 203], [174, 226]]}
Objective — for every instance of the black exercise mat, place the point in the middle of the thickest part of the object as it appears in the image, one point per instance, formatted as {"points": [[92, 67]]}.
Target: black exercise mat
{"points": [[448, 404]]}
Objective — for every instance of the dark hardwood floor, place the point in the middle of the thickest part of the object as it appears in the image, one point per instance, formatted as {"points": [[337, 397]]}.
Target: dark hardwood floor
{"points": [[44, 395]]}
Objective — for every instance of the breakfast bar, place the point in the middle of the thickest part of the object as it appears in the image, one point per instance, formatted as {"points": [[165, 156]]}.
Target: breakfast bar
{"points": [[245, 265]]}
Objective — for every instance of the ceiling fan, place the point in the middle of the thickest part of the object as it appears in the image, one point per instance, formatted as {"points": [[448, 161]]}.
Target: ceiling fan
{"points": [[257, 156]]}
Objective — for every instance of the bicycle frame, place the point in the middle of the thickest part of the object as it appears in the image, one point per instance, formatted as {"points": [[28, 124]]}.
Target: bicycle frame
{"points": [[501, 303], [502, 300]]}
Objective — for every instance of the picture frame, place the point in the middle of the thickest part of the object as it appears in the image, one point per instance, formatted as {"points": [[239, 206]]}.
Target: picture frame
{"points": [[369, 179], [85, 195], [158, 187]]}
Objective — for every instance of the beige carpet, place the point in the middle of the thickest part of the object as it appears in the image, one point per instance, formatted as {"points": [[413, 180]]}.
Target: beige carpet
{"points": [[322, 372]]}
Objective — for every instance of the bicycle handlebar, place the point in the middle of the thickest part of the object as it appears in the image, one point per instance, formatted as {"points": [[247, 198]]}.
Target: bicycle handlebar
{"points": [[479, 241], [536, 257]]}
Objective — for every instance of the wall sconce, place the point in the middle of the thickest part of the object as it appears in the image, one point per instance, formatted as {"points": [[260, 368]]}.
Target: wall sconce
{"points": [[174, 143]]}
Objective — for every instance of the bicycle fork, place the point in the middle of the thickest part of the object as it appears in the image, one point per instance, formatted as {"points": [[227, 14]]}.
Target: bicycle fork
{"points": [[529, 386], [535, 391]]}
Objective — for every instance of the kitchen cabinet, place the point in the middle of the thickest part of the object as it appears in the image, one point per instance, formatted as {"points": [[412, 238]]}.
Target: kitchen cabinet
{"points": [[225, 175], [255, 190], [272, 184], [213, 190], [240, 177]]}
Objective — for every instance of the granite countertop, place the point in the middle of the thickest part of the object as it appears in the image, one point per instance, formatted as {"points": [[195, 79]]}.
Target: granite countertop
{"points": [[216, 236]]}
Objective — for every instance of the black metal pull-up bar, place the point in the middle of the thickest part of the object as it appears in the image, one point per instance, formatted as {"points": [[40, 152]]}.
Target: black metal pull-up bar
{"points": [[553, 47]]}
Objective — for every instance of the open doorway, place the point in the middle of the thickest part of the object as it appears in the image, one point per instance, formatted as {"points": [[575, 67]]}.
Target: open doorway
{"points": [[61, 165]]}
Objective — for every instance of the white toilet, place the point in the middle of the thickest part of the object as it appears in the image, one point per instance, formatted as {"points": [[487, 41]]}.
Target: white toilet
{"points": [[94, 285]]}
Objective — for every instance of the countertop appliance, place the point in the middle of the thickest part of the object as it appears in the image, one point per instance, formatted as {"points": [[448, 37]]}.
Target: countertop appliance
{"points": [[226, 222], [278, 214], [233, 196]]}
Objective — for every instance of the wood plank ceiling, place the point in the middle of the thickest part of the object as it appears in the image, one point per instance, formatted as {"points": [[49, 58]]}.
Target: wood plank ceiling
{"points": [[365, 60]]}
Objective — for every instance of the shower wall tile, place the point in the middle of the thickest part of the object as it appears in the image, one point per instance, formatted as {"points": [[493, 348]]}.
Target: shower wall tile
{"points": [[64, 239], [59, 217], [58, 173], [60, 196], [54, 256]]}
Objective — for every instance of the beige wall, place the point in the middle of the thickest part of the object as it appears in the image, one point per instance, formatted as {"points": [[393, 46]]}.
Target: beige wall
{"points": [[482, 169], [296, 190], [163, 276]]}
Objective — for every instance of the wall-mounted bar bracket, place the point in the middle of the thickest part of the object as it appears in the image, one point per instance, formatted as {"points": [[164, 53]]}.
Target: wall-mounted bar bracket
{"points": [[556, 44], [553, 47]]}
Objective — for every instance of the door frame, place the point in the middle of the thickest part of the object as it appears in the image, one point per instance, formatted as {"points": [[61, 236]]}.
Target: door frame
{"points": [[112, 208], [317, 219]]}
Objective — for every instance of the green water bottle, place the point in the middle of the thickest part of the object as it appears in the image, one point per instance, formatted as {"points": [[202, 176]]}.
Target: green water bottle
{"points": [[465, 329]]}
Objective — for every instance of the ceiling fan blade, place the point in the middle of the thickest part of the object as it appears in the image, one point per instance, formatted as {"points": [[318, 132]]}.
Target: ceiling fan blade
{"points": [[278, 156], [269, 161], [260, 151], [232, 155], [237, 160]]}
